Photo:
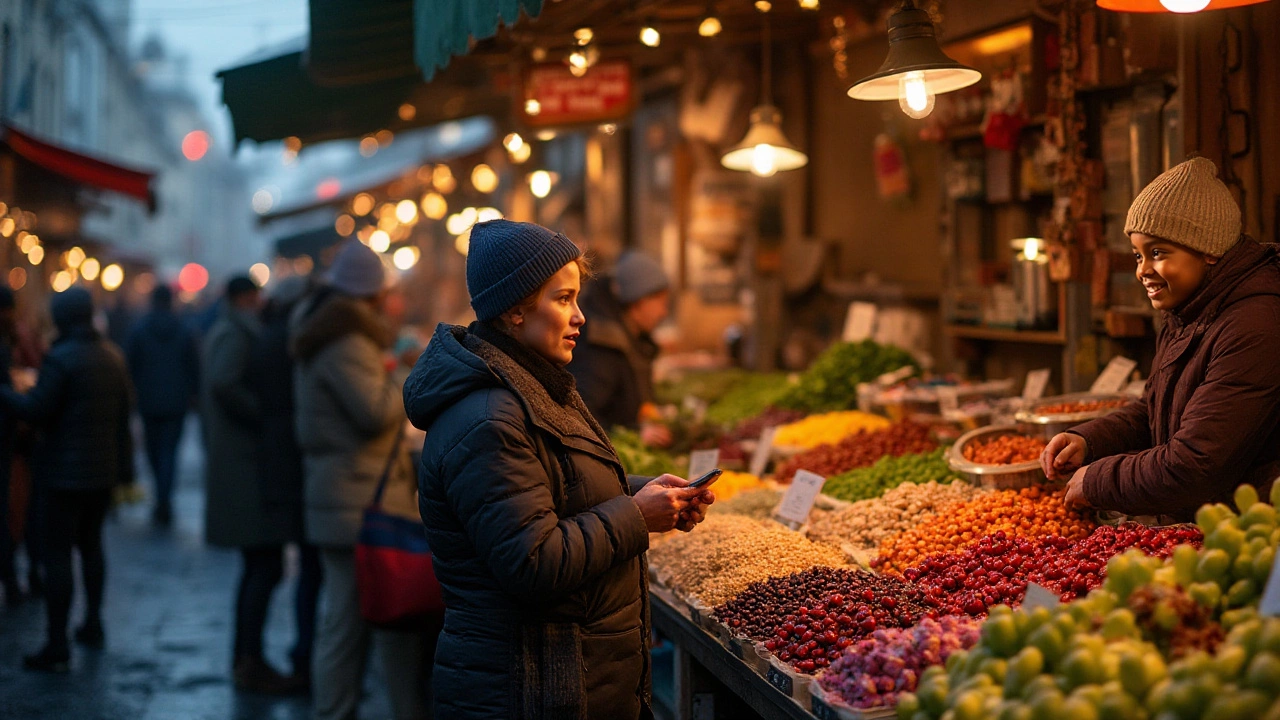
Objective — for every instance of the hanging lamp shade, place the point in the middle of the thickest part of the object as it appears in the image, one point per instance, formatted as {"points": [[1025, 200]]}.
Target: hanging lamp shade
{"points": [[913, 47], [764, 150], [1175, 6]]}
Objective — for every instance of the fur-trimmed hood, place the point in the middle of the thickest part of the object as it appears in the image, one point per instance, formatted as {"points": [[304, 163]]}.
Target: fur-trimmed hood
{"points": [[336, 317]]}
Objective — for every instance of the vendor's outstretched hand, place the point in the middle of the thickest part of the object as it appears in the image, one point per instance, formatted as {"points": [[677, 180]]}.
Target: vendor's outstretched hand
{"points": [[1064, 455]]}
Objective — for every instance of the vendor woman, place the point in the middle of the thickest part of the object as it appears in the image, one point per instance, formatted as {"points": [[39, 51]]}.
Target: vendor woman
{"points": [[1209, 419]]}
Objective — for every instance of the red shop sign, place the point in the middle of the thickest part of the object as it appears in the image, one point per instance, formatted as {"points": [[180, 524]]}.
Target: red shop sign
{"points": [[603, 94]]}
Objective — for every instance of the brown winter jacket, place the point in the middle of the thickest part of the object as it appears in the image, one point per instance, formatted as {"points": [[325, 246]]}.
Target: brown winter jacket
{"points": [[1209, 419]]}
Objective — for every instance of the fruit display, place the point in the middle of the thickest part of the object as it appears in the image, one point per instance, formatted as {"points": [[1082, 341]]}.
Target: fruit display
{"points": [[637, 458], [858, 451], [874, 671], [1080, 406], [751, 396], [1004, 450], [729, 552], [758, 504], [887, 473], [1029, 512], [827, 428], [865, 523], [808, 618], [730, 484], [831, 382]]}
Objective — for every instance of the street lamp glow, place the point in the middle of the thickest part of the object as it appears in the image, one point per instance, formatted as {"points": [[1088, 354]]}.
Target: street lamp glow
{"points": [[112, 277]]}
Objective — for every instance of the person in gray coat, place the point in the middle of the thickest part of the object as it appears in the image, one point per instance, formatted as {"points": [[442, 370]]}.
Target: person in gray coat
{"points": [[235, 511], [349, 421]]}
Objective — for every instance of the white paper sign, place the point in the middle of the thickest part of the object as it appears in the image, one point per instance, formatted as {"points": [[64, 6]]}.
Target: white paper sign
{"points": [[1270, 605], [1037, 381], [1039, 596], [701, 462], [1114, 376], [948, 399], [860, 322], [760, 458], [1136, 388], [897, 376], [800, 497]]}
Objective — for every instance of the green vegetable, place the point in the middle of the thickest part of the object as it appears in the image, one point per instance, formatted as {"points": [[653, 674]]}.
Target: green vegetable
{"points": [[752, 395], [888, 473], [638, 459], [707, 385], [831, 383]]}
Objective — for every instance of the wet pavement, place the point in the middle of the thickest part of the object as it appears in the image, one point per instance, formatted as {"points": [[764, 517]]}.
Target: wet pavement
{"points": [[168, 618]]}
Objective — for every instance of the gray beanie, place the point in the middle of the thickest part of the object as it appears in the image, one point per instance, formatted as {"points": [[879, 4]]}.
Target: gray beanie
{"points": [[509, 260], [357, 271], [637, 276]]}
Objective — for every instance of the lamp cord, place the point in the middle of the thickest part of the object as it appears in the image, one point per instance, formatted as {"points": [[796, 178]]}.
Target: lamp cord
{"points": [[767, 62]]}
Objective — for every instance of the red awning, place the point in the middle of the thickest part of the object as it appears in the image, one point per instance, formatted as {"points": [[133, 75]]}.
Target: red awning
{"points": [[79, 168]]}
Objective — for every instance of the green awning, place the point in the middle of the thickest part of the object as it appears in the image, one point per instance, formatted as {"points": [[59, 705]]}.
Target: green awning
{"points": [[444, 29]]}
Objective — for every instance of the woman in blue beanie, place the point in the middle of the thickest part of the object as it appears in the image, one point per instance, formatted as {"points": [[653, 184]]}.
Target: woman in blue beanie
{"points": [[538, 534]]}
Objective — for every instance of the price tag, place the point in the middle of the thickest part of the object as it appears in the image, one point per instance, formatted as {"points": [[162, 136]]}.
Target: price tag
{"points": [[821, 710], [702, 462], [1136, 388], [1270, 605], [897, 376], [1037, 381], [1039, 596], [860, 322], [760, 458], [948, 400], [779, 680], [1114, 376], [800, 497]]}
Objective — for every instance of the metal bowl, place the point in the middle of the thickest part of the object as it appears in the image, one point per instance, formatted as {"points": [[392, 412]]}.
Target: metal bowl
{"points": [[994, 477], [1037, 424]]}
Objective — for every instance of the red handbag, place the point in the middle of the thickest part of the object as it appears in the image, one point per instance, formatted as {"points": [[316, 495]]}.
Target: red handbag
{"points": [[394, 574]]}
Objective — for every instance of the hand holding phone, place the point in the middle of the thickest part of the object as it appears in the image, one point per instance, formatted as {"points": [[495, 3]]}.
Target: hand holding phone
{"points": [[711, 476]]}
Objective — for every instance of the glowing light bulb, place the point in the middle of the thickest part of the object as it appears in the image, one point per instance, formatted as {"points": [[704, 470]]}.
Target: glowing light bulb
{"points": [[434, 206], [484, 179], [583, 35], [112, 277], [809, 4], [540, 183], [532, 106], [914, 96], [577, 60], [1184, 6], [379, 241], [710, 26], [764, 160], [405, 258], [521, 155], [89, 269], [513, 142], [406, 211], [650, 36], [1031, 249]]}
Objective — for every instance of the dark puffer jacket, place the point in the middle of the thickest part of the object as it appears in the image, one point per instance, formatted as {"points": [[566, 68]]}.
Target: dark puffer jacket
{"points": [[1210, 417], [164, 361], [536, 543]]}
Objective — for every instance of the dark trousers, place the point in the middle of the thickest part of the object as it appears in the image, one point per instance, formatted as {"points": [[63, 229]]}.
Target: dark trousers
{"points": [[163, 434], [7, 573], [263, 568], [73, 520], [305, 599]]}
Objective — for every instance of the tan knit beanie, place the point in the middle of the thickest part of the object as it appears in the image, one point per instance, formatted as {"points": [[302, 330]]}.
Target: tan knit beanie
{"points": [[1188, 205]]}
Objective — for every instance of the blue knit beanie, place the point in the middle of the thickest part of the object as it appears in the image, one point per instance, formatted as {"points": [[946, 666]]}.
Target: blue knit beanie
{"points": [[509, 260]]}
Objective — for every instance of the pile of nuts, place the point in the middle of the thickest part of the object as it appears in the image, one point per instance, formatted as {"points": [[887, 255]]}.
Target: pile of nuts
{"points": [[1081, 406], [1030, 512], [758, 504], [866, 523], [1004, 450], [859, 450], [729, 552]]}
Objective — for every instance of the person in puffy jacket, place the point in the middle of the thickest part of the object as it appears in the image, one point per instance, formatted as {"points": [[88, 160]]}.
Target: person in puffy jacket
{"points": [[1209, 418], [537, 534], [80, 405], [165, 364]]}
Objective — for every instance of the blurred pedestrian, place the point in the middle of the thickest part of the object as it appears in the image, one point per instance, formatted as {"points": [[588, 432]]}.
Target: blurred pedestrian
{"points": [[349, 419], [80, 405], [537, 538], [8, 425], [613, 363], [235, 513], [165, 364], [270, 375]]}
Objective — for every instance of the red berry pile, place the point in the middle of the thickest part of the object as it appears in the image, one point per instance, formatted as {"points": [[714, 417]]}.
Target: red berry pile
{"points": [[1073, 574], [859, 450], [807, 618]]}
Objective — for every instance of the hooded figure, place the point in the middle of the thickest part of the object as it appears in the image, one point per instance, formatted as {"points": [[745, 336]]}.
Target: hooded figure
{"points": [[1209, 418], [80, 406]]}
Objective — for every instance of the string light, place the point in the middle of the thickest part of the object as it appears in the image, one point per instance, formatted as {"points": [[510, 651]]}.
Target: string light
{"points": [[540, 183], [405, 257], [89, 269], [407, 112], [344, 225], [362, 204], [650, 36], [260, 274], [484, 179], [407, 212], [112, 277], [434, 206], [379, 241], [513, 142], [710, 26], [583, 36], [75, 256], [532, 106]]}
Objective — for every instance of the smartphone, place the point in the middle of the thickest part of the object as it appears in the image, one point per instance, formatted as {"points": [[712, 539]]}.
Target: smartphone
{"points": [[707, 479]]}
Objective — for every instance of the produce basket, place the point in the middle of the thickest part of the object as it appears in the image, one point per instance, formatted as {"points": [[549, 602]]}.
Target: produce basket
{"points": [[1034, 421], [994, 477]]}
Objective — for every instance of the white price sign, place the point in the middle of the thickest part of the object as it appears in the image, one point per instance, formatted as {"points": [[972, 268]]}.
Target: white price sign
{"points": [[1039, 596], [1114, 376], [701, 462], [1037, 381], [948, 400], [800, 497], [760, 458], [860, 323]]}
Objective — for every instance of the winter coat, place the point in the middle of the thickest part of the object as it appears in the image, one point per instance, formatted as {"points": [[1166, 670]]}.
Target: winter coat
{"points": [[1209, 418], [165, 364], [80, 408], [612, 364], [349, 418], [279, 458], [231, 418], [536, 543]]}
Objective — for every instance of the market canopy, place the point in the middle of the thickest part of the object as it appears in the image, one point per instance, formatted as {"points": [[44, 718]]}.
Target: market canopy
{"points": [[78, 167], [444, 29]]}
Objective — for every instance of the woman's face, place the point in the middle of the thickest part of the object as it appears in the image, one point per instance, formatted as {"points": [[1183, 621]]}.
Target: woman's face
{"points": [[1171, 273], [551, 328]]}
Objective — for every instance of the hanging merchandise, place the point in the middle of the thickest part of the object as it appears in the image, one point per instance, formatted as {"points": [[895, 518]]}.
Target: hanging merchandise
{"points": [[893, 178], [765, 150], [916, 70], [1006, 112]]}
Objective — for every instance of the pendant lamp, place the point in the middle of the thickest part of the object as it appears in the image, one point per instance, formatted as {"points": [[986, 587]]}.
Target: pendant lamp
{"points": [[1174, 6], [916, 70], [765, 150]]}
